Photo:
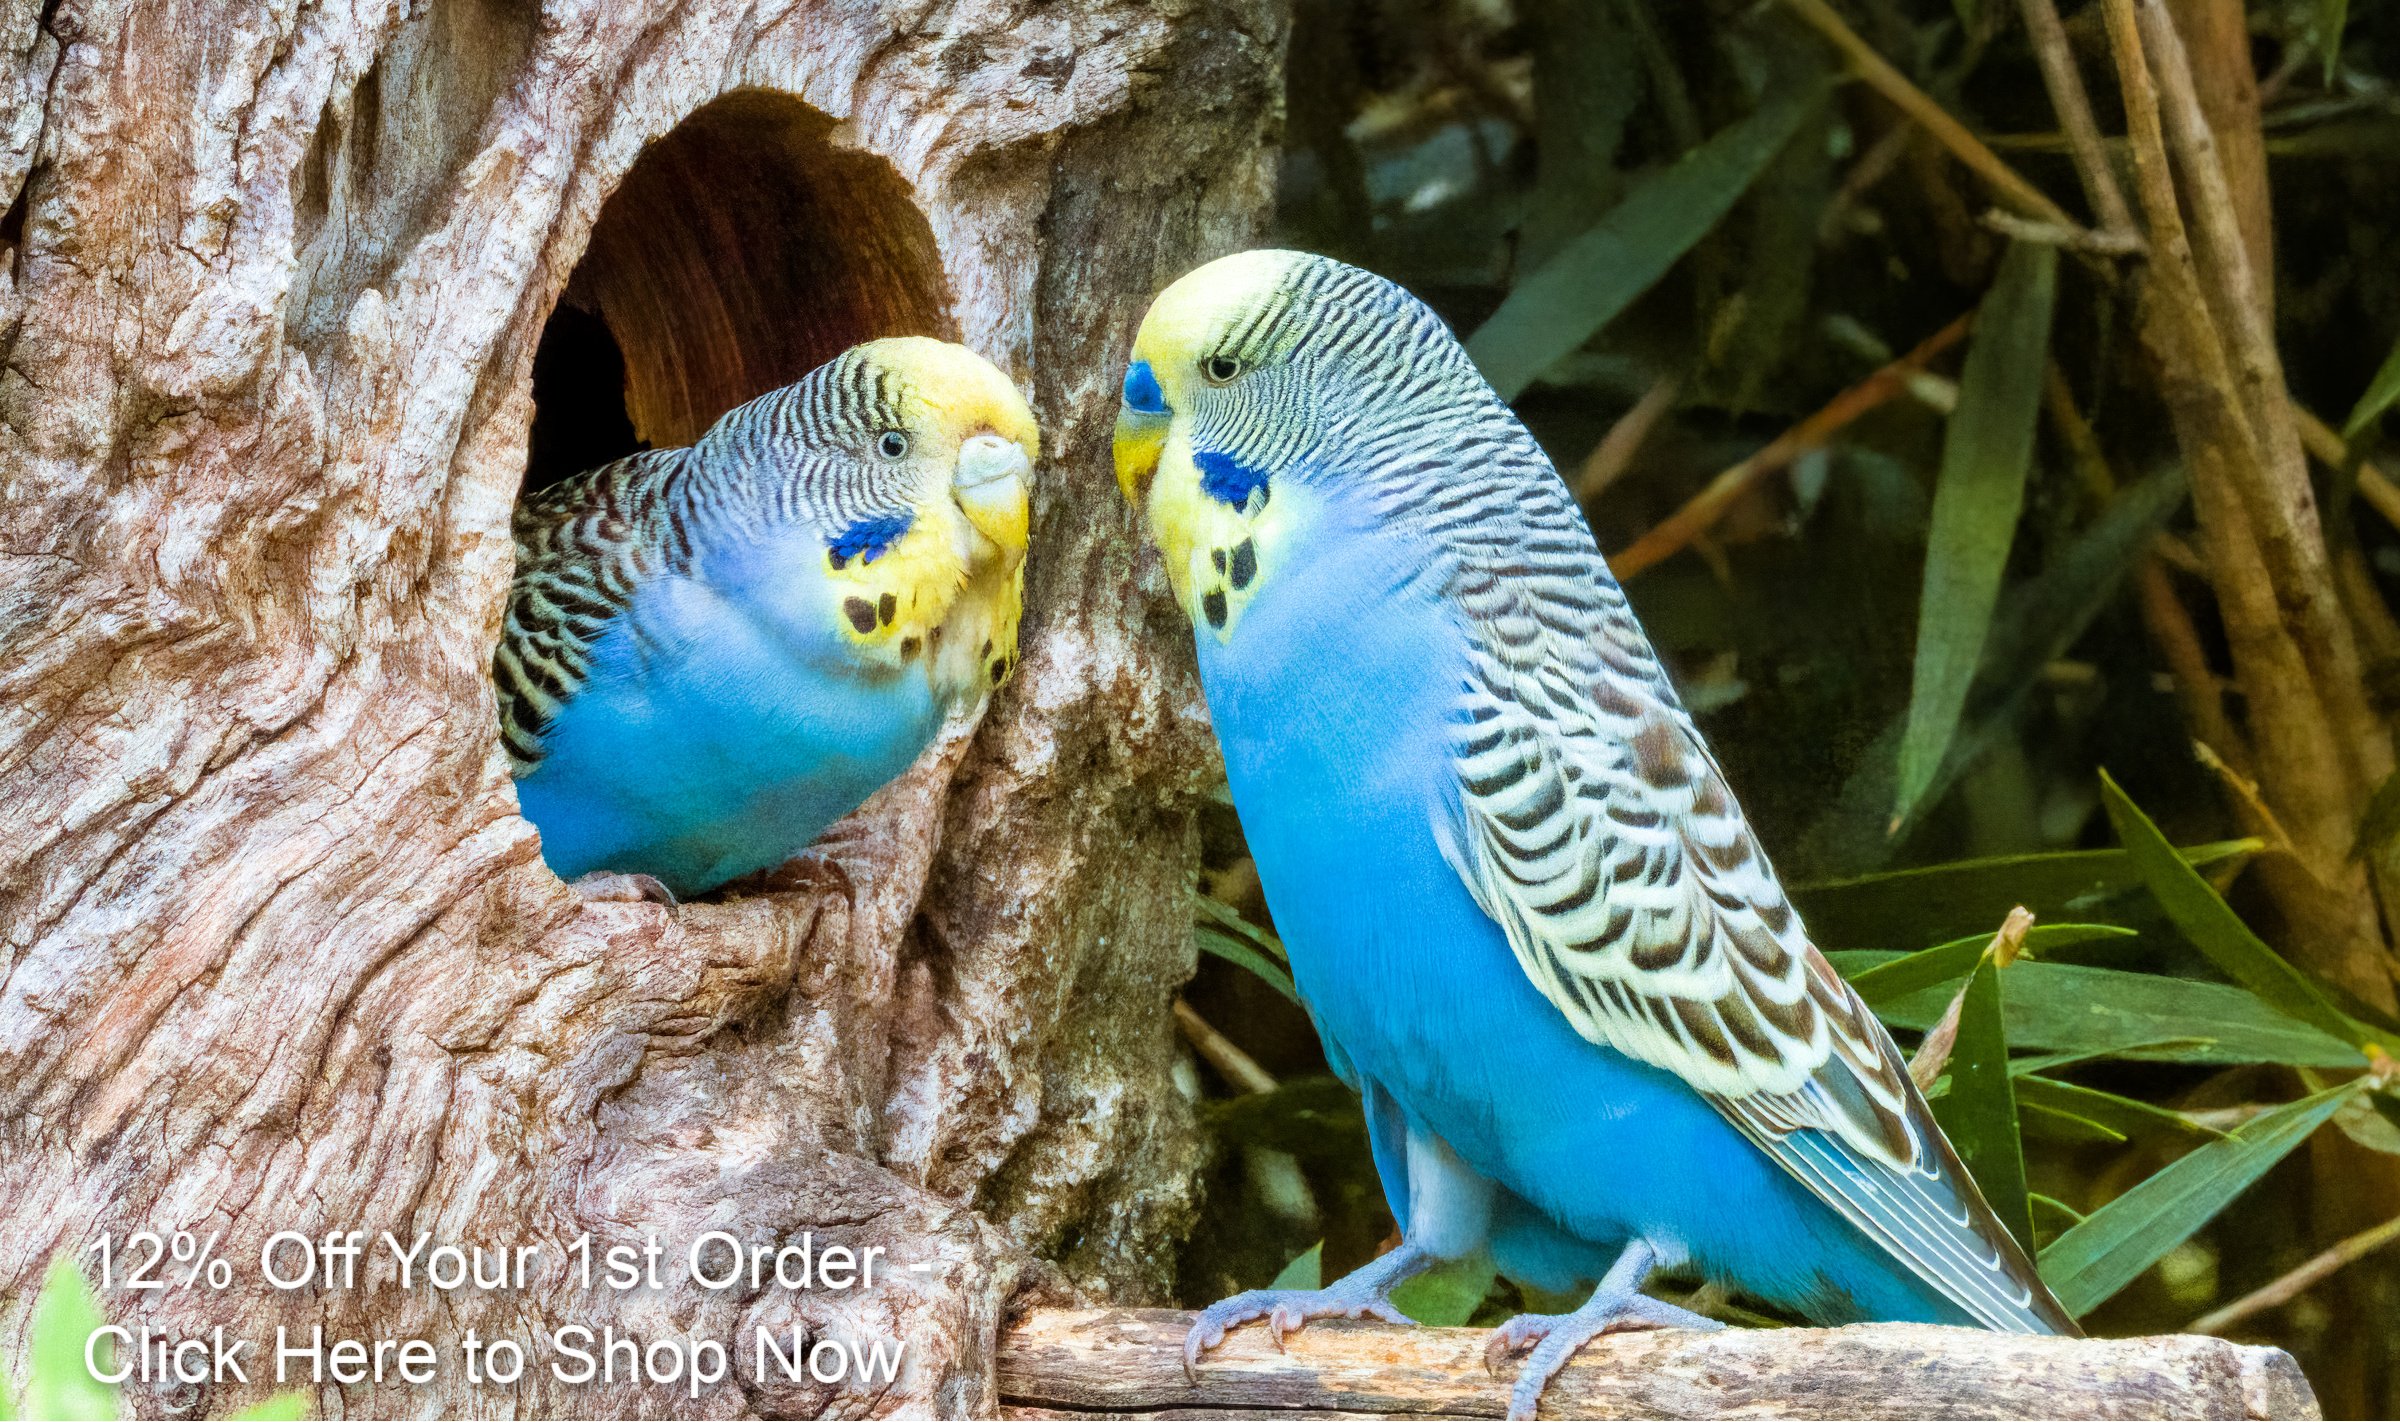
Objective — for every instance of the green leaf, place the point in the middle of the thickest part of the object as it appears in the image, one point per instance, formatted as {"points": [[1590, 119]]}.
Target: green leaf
{"points": [[2216, 930], [1946, 962], [2119, 1241], [1986, 453], [1566, 300], [2037, 624], [1587, 82], [1305, 1272], [1950, 901], [1226, 919], [2333, 16], [2380, 820], [2379, 395], [2121, 1115], [1979, 1113], [2041, 1123], [2053, 1217], [1753, 334], [2051, 1212], [1447, 1295], [2373, 1120], [57, 1385], [1313, 1117], [2135, 1016], [1233, 950], [2145, 1051], [2381, 392]]}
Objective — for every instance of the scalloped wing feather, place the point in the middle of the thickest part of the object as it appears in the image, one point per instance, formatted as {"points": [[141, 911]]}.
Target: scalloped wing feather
{"points": [[1595, 828], [584, 546]]}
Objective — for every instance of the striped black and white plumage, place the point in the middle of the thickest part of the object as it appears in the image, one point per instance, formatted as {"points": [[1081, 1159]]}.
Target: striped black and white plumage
{"points": [[1529, 917], [711, 653]]}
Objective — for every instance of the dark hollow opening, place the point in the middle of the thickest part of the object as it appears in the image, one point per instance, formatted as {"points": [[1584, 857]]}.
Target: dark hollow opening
{"points": [[579, 416], [742, 250]]}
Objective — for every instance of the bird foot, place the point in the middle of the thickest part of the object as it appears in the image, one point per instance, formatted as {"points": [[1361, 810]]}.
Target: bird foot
{"points": [[1554, 1337], [1285, 1311], [603, 886], [1363, 1293]]}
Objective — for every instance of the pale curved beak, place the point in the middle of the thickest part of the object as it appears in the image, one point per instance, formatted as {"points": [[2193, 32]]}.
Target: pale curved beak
{"points": [[987, 459], [992, 482]]}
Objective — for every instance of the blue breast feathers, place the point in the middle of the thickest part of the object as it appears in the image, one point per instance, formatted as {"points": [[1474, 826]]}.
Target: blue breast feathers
{"points": [[1141, 390], [869, 538], [1228, 480]]}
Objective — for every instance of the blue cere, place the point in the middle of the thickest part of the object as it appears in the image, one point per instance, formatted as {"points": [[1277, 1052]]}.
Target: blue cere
{"points": [[869, 538], [1226, 479], [1141, 390]]}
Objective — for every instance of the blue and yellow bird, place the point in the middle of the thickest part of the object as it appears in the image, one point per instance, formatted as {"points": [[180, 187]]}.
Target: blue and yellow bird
{"points": [[1531, 924], [712, 653]]}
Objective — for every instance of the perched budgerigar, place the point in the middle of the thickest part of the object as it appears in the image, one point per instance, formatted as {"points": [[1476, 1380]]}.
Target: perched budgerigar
{"points": [[1530, 922], [713, 653]]}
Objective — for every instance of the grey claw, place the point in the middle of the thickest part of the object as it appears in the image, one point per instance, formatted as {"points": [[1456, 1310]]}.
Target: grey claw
{"points": [[605, 886]]}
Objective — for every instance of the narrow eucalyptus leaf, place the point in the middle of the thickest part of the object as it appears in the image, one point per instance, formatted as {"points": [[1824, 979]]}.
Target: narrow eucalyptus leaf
{"points": [[2037, 623], [2064, 1127], [1979, 1113], [1305, 1272], [2089, 1013], [2122, 1239], [1233, 950], [1566, 300], [1947, 902], [1986, 453], [2333, 16], [1945, 962], [2120, 1114], [2381, 392], [1226, 917], [2216, 930]]}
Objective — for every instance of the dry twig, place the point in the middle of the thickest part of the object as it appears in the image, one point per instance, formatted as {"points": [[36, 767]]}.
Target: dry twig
{"points": [[2074, 109], [1614, 453], [1921, 108], [2315, 742], [2374, 486], [2290, 1286], [1933, 1053], [1218, 1050], [2197, 686], [1702, 510]]}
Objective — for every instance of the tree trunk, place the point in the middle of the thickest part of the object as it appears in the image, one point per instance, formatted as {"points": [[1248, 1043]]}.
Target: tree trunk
{"points": [[277, 952]]}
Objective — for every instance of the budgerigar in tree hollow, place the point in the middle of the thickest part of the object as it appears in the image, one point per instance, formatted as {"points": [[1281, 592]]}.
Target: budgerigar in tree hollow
{"points": [[1532, 926], [713, 653]]}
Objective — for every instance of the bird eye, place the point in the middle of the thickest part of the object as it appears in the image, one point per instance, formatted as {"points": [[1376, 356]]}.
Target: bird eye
{"points": [[892, 445], [1220, 369]]}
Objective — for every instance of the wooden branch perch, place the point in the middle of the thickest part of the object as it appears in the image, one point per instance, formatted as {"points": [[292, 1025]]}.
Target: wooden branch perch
{"points": [[1083, 1363]]}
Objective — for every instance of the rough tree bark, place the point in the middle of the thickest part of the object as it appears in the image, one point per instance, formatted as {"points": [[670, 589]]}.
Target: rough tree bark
{"points": [[276, 951]]}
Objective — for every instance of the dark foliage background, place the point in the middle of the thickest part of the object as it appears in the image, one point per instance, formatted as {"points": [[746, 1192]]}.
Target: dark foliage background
{"points": [[1684, 236]]}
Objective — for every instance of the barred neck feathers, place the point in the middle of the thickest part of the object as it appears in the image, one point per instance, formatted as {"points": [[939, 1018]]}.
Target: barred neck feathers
{"points": [[1414, 428]]}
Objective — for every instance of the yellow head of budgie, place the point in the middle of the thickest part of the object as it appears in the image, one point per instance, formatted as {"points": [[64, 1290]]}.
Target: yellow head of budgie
{"points": [[951, 585], [1193, 338]]}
